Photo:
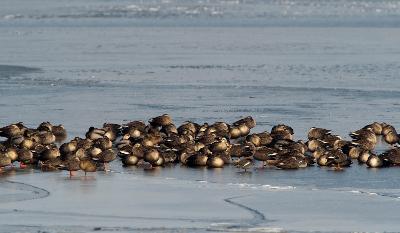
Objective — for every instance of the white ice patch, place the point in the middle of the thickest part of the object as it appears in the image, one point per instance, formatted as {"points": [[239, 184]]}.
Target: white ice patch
{"points": [[261, 186]]}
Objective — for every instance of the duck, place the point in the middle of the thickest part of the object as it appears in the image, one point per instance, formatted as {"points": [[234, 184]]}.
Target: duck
{"points": [[68, 147], [298, 146], [50, 153], [170, 155], [265, 153], [151, 156], [265, 138], [83, 143], [387, 128], [282, 135], [106, 157], [320, 152], [135, 133], [169, 129], [205, 138], [392, 156], [4, 161], [25, 156], [94, 152], [46, 138], [11, 153], [45, 126], [376, 128], [364, 144], [338, 159], [162, 120], [197, 160], [235, 132], [51, 164], [159, 162], [341, 144], [391, 138], [112, 131], [331, 139], [87, 165], [244, 163], [72, 165], [317, 133], [103, 143], [315, 144], [140, 125], [95, 133], [323, 160], [188, 127], [12, 130], [353, 152], [130, 160], [244, 130], [364, 156], [215, 162], [59, 132], [248, 121], [220, 145], [27, 143], [221, 129], [374, 161], [282, 127], [364, 134], [247, 150], [292, 161], [254, 138]]}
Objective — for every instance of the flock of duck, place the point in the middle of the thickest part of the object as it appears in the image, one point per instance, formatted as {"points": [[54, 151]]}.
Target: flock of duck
{"points": [[213, 145]]}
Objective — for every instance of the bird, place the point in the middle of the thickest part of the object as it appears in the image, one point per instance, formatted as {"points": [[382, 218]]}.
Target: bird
{"points": [[130, 160], [391, 138], [245, 163], [391, 156], [106, 157], [162, 120], [317, 133], [374, 161], [338, 159], [376, 127], [215, 162], [292, 161], [72, 165], [4, 161], [87, 165]]}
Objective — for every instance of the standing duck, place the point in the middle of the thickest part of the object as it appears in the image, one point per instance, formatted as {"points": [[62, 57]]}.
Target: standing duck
{"points": [[72, 165], [245, 163], [87, 165], [107, 156]]}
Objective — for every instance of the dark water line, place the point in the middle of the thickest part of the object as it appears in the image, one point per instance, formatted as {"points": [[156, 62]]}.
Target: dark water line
{"points": [[258, 217], [33, 192]]}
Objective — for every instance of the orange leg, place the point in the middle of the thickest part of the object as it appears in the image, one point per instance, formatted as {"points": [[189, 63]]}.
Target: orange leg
{"points": [[22, 165]]}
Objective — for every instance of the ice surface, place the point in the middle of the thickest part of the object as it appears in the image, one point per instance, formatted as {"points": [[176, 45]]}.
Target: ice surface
{"points": [[83, 63]]}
